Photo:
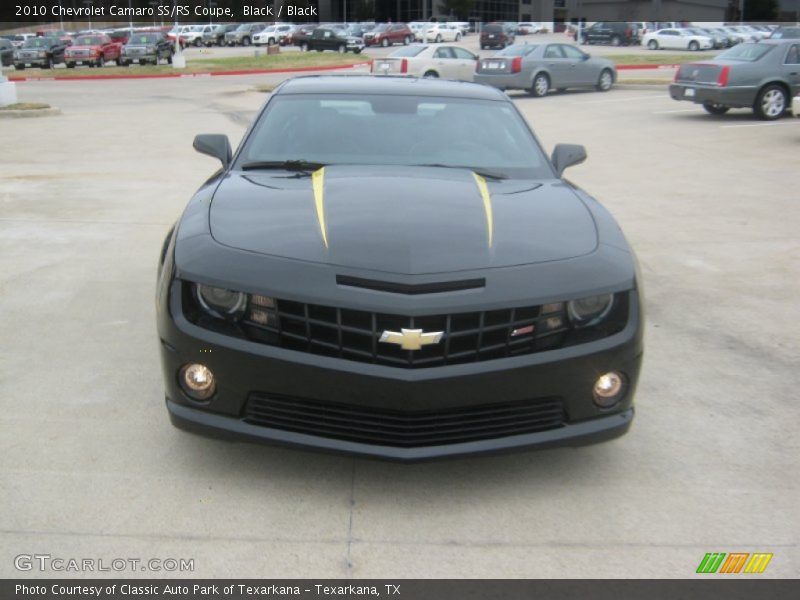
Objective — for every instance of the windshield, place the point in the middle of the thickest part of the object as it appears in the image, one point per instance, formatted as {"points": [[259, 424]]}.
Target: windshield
{"points": [[492, 28], [746, 52], [522, 50], [396, 130], [38, 42], [142, 39], [89, 41], [380, 28]]}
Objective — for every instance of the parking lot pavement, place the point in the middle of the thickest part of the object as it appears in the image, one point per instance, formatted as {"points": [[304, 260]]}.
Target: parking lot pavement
{"points": [[91, 468]]}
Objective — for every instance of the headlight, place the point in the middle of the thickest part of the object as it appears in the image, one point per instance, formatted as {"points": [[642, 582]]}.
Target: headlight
{"points": [[219, 301], [589, 310]]}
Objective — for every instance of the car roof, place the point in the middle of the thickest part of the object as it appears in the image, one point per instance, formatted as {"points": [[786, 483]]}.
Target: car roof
{"points": [[366, 84]]}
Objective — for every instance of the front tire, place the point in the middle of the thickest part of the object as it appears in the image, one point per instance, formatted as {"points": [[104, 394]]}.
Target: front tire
{"points": [[458, 37], [101, 62], [245, 41], [303, 47], [771, 102], [616, 40], [694, 46], [652, 45], [540, 85], [342, 48], [406, 41], [385, 42], [606, 81], [715, 109]]}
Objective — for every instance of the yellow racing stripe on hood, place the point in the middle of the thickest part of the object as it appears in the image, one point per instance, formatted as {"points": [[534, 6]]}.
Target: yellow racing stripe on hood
{"points": [[487, 205], [318, 184]]}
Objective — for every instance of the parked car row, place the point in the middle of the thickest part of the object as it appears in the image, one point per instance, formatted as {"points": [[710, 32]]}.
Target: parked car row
{"points": [[536, 68], [94, 51]]}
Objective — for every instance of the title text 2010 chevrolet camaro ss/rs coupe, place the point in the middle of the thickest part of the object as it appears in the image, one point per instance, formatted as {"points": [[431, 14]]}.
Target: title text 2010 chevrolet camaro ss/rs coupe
{"points": [[429, 287]]}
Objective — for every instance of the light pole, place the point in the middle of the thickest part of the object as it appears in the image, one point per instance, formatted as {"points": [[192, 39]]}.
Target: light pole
{"points": [[88, 4]]}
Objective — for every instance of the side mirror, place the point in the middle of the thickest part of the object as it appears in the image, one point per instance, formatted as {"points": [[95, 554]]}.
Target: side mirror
{"points": [[216, 145], [567, 155]]}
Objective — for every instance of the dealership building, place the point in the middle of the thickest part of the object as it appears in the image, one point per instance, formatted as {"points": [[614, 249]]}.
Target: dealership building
{"points": [[545, 11]]}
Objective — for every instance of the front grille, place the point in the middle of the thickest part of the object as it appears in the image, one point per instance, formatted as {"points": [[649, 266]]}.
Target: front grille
{"points": [[355, 335], [373, 425]]}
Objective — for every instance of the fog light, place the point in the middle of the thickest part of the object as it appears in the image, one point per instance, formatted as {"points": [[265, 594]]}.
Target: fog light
{"points": [[197, 381], [608, 389]]}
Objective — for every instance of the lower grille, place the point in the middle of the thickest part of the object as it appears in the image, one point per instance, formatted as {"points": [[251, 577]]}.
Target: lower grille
{"points": [[372, 425]]}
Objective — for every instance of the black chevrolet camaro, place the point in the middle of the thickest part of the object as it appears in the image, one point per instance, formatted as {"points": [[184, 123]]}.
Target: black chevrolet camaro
{"points": [[394, 267]]}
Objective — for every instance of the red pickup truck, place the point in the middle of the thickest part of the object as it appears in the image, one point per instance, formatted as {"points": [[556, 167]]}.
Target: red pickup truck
{"points": [[92, 50]]}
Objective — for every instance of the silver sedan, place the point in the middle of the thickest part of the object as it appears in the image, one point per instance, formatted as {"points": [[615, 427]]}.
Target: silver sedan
{"points": [[539, 68]]}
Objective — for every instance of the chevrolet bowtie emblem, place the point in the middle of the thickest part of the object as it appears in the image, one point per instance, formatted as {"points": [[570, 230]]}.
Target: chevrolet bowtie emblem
{"points": [[411, 339]]}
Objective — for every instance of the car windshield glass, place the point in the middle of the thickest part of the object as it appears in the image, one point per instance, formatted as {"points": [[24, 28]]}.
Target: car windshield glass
{"points": [[142, 39], [746, 52], [523, 50], [408, 51], [396, 130], [380, 28], [89, 41], [492, 28], [38, 43]]}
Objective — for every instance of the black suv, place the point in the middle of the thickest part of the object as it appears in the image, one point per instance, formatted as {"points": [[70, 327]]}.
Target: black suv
{"points": [[610, 32]]}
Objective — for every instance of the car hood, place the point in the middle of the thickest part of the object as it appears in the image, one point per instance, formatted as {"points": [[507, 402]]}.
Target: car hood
{"points": [[86, 47], [401, 219]]}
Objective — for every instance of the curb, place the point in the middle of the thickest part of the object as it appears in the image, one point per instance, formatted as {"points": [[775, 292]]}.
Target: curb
{"points": [[30, 113], [190, 75]]}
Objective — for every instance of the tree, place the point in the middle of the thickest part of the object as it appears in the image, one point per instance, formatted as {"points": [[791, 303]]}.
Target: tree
{"points": [[458, 8]]}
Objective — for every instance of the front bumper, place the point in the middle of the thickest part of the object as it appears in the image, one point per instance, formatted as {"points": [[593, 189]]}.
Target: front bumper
{"points": [[243, 369], [734, 96]]}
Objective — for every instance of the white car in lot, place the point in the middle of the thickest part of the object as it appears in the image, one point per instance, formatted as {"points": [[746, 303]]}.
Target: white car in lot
{"points": [[443, 61], [274, 34], [441, 32], [677, 39]]}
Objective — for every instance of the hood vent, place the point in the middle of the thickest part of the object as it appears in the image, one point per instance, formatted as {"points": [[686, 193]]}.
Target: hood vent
{"points": [[410, 289]]}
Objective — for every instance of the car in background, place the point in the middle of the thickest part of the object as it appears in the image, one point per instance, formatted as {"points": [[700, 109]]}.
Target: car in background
{"points": [[424, 60], [144, 48], [418, 28], [17, 39], [677, 39], [357, 30], [462, 26], [759, 75], [216, 37], [441, 32], [45, 52], [528, 27], [92, 50], [63, 36], [6, 52], [388, 34], [494, 35], [338, 40], [300, 36], [785, 33], [719, 39], [736, 36], [243, 34], [616, 33], [394, 267], [539, 68]]}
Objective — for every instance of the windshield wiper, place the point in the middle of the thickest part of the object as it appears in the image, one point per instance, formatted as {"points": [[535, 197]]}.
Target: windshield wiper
{"points": [[480, 172], [287, 165]]}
